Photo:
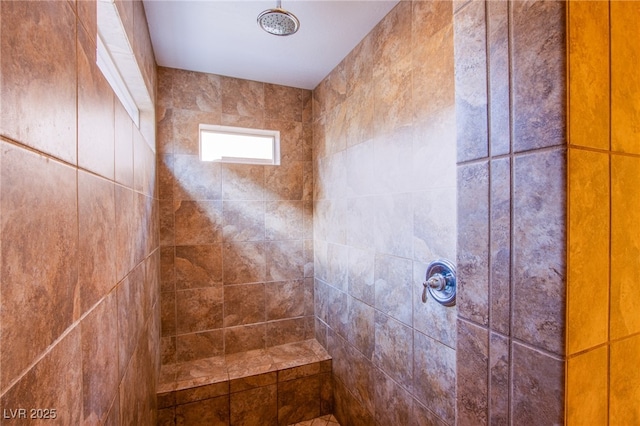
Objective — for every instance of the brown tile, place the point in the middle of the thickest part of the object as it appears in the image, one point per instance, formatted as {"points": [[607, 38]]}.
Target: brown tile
{"points": [[359, 66], [285, 299], [199, 309], [198, 266], [185, 129], [255, 406], [99, 359], [500, 241], [165, 86], [164, 122], [167, 269], [167, 312], [624, 317], [392, 39], [168, 350], [587, 399], [434, 382], [434, 228], [391, 93], [326, 395], [125, 228], [589, 231], [194, 179], [87, 16], [623, 381], [167, 417], [201, 372], [243, 182], [293, 373], [283, 220], [58, 376], [392, 154], [95, 112], [625, 84], [337, 310], [244, 304], [39, 84], [394, 220], [243, 97], [123, 145], [142, 48], [361, 333], [243, 220], [39, 221], [535, 370], [538, 74], [202, 392], [196, 91], [539, 249], [393, 404], [284, 182], [393, 287], [206, 344], [130, 318], [244, 262], [472, 363], [348, 407], [284, 260], [141, 172], [206, 412], [252, 382], [471, 82], [499, 370], [498, 79], [361, 274], [394, 349], [282, 103], [198, 222], [244, 338], [309, 257], [166, 178], [307, 106], [298, 400], [285, 331]]}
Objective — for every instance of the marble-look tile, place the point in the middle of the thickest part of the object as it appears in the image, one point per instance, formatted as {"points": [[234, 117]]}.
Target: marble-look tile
{"points": [[304, 370], [625, 245], [39, 84], [432, 318], [198, 266], [309, 258], [167, 223], [435, 372], [242, 182], [307, 180], [195, 91], [285, 331], [497, 18], [251, 382], [338, 311], [244, 338], [434, 224], [535, 370], [167, 417], [243, 220], [243, 97], [97, 238], [199, 309], [500, 245], [393, 404], [283, 220], [334, 221], [394, 287], [391, 154], [167, 311], [130, 316], [198, 222], [321, 300], [284, 182], [307, 106], [284, 260], [194, 179], [38, 200], [589, 231], [348, 408], [99, 360], [282, 103], [358, 66], [428, 18], [164, 96], [207, 412], [500, 385], [206, 344], [394, 350], [539, 249], [58, 376], [202, 392], [625, 84], [164, 129], [326, 396], [291, 139], [337, 266], [471, 82], [185, 128], [472, 362], [244, 262], [391, 92], [142, 48], [165, 172], [285, 299], [623, 381], [361, 333], [123, 145], [586, 388], [298, 400], [244, 304], [168, 350], [473, 242], [255, 406], [95, 112], [360, 275], [538, 74], [394, 224], [391, 39], [361, 173], [422, 416], [307, 220], [201, 372]]}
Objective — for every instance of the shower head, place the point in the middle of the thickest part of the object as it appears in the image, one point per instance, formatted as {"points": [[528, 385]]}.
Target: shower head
{"points": [[278, 21]]}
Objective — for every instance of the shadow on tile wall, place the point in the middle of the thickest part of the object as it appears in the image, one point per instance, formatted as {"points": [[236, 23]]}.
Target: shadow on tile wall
{"points": [[80, 257], [384, 157], [237, 239]]}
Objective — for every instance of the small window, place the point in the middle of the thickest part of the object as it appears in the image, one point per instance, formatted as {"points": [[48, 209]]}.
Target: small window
{"points": [[239, 145]]}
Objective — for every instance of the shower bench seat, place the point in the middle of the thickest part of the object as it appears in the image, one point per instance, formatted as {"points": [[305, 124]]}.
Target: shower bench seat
{"points": [[280, 385]]}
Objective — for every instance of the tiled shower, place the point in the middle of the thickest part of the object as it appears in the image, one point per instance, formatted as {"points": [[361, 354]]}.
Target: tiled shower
{"points": [[450, 131]]}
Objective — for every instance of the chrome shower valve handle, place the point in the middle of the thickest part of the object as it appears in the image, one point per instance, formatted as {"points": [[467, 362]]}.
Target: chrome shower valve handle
{"points": [[440, 283]]}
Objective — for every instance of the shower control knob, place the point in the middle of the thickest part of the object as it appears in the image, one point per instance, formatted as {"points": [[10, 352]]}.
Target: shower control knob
{"points": [[437, 282], [440, 283]]}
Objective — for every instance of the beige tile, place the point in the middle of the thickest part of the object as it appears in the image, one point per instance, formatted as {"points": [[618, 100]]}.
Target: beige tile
{"points": [[244, 304], [625, 246], [195, 91], [243, 97], [589, 78], [282, 103], [588, 310], [624, 391], [587, 385]]}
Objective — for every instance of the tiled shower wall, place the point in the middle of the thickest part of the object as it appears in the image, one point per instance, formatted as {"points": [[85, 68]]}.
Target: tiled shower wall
{"points": [[511, 124], [385, 206], [79, 247], [237, 239], [603, 315]]}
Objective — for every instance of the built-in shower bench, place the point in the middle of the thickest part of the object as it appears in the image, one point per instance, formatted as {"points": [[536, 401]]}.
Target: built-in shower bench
{"points": [[280, 385]]}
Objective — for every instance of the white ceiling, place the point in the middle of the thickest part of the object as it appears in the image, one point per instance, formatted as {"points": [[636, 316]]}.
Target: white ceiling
{"points": [[223, 37]]}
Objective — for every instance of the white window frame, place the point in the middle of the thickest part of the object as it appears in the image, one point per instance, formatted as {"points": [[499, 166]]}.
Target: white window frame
{"points": [[242, 131]]}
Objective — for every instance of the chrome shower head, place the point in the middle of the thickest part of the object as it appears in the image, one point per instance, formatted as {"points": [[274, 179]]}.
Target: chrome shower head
{"points": [[278, 21]]}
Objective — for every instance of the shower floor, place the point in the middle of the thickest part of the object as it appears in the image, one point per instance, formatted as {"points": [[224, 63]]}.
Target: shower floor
{"points": [[328, 420]]}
